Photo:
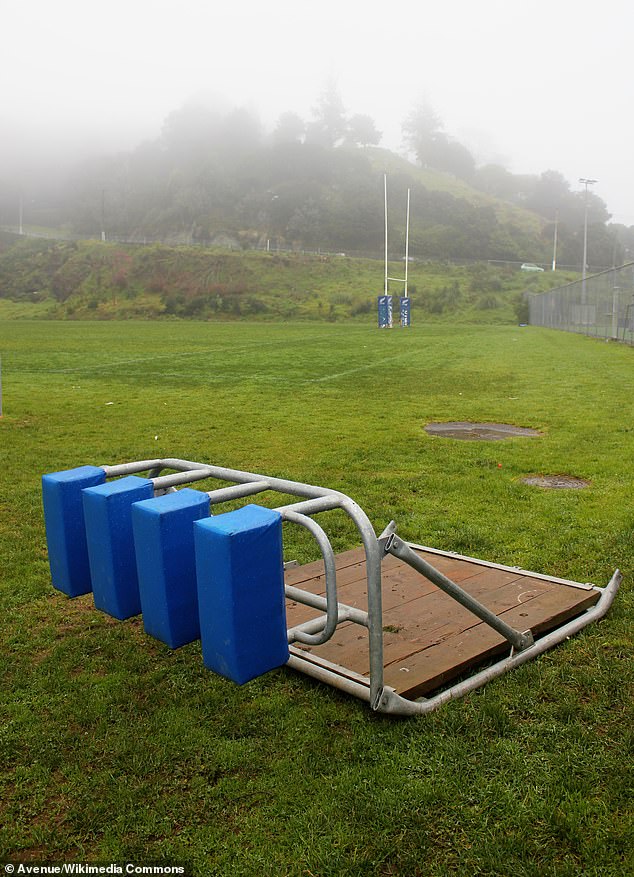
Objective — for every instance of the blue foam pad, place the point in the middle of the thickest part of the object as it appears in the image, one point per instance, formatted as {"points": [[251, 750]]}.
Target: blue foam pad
{"points": [[64, 522], [240, 574], [164, 545], [108, 517]]}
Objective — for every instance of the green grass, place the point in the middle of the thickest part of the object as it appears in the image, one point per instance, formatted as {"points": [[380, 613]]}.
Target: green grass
{"points": [[114, 748]]}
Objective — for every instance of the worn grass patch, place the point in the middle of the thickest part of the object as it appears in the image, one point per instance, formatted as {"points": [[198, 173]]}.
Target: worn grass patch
{"points": [[115, 749]]}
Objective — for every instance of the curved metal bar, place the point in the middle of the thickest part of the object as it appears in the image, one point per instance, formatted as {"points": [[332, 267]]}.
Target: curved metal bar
{"points": [[373, 555], [145, 465], [332, 611], [316, 625]]}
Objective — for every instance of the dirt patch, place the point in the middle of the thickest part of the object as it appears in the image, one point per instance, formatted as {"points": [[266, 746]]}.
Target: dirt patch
{"points": [[478, 432], [555, 482]]}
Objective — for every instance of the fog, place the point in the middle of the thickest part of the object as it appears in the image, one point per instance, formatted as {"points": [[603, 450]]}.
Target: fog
{"points": [[537, 86]]}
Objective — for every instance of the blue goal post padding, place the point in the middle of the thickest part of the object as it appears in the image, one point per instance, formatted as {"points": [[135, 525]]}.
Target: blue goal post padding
{"points": [[108, 517], [384, 311], [240, 575], [405, 310], [64, 524], [163, 530]]}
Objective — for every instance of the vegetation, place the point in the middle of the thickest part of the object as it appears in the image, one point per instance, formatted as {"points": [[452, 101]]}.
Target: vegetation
{"points": [[116, 749], [91, 280], [217, 177]]}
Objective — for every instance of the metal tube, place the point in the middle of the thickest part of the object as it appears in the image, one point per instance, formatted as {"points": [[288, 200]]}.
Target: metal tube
{"points": [[323, 674], [145, 465], [332, 615], [402, 550], [312, 506], [186, 476], [315, 625], [316, 601], [237, 491]]}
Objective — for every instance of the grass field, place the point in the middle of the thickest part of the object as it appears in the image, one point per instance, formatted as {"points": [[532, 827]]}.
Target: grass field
{"points": [[116, 749]]}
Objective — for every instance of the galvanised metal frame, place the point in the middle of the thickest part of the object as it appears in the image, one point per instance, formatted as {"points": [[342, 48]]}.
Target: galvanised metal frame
{"points": [[316, 499]]}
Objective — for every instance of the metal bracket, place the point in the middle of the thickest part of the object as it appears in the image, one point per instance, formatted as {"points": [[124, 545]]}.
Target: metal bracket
{"points": [[386, 538]]}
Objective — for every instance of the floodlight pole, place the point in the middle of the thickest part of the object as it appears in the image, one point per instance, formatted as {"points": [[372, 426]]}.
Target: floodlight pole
{"points": [[585, 182], [555, 241], [103, 215]]}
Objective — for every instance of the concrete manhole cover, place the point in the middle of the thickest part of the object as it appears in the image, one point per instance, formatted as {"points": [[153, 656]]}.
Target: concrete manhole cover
{"points": [[555, 482], [478, 432]]}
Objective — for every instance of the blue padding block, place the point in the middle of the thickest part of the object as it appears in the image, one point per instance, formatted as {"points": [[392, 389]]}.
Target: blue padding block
{"points": [[64, 522], [164, 545], [240, 574], [108, 516]]}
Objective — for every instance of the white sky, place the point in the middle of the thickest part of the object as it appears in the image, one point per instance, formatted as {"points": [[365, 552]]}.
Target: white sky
{"points": [[540, 85]]}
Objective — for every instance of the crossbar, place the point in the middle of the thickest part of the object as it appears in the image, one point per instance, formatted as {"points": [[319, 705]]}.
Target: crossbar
{"points": [[401, 549]]}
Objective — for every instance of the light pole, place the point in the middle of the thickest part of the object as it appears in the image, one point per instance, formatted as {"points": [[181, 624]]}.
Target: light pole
{"points": [[585, 182], [103, 215], [555, 241]]}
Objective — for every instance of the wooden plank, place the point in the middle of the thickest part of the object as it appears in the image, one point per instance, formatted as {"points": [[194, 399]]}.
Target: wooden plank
{"points": [[429, 638], [418, 624], [348, 648], [298, 574], [425, 670]]}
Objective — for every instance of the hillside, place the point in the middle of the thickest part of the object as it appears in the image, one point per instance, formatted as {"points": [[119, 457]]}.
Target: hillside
{"points": [[452, 219], [248, 193], [94, 280], [218, 179]]}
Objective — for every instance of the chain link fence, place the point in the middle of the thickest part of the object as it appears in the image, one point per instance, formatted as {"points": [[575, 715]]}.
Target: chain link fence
{"points": [[601, 305]]}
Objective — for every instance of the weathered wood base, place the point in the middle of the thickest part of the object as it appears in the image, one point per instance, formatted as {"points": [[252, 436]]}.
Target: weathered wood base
{"points": [[429, 639]]}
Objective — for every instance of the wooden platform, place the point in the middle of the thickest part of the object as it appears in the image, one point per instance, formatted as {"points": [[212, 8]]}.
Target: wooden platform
{"points": [[429, 639]]}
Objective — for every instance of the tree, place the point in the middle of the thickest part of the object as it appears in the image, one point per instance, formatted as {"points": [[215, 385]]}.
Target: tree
{"points": [[329, 126], [241, 131], [422, 130], [362, 131], [456, 159], [290, 128], [191, 130], [551, 196], [305, 223], [423, 133]]}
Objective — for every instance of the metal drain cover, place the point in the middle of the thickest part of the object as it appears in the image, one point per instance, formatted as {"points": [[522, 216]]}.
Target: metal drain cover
{"points": [[556, 482], [478, 432]]}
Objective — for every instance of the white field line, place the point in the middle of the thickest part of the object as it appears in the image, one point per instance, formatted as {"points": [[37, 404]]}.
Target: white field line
{"points": [[284, 379], [375, 364], [259, 378], [119, 362]]}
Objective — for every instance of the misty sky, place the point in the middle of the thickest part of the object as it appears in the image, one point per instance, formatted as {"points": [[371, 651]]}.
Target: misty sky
{"points": [[535, 86]]}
